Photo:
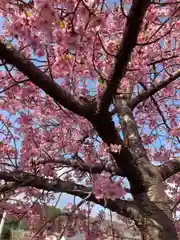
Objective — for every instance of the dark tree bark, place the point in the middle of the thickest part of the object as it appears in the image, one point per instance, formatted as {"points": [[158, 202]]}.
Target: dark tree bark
{"points": [[157, 222]]}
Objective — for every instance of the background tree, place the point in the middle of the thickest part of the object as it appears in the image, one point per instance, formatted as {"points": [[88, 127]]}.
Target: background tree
{"points": [[90, 97], [9, 225]]}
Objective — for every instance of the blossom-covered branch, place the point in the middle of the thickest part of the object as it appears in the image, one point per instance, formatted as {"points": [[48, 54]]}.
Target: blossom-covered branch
{"points": [[133, 25], [152, 90], [170, 168], [11, 56], [93, 169], [23, 179]]}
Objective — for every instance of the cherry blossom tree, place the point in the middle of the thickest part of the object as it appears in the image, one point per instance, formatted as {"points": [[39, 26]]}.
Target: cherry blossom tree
{"points": [[90, 97]]}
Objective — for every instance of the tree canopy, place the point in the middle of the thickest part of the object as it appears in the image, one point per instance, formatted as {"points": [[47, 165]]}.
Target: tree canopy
{"points": [[90, 106]]}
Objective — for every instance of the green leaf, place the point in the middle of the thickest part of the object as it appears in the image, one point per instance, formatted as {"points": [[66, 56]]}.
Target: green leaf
{"points": [[100, 81], [61, 24], [1, 142]]}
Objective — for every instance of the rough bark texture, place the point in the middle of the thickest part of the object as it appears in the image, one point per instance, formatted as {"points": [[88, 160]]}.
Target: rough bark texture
{"points": [[154, 218], [157, 223]]}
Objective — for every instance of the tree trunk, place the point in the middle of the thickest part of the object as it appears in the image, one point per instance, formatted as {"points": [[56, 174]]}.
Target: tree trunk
{"points": [[156, 222]]}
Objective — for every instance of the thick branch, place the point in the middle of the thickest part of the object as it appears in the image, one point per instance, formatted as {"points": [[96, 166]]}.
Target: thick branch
{"points": [[170, 168], [142, 168], [25, 179], [124, 158], [133, 25], [152, 90], [42, 80]]}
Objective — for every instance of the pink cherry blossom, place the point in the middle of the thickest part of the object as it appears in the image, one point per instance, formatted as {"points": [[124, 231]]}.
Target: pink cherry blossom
{"points": [[61, 61]]}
